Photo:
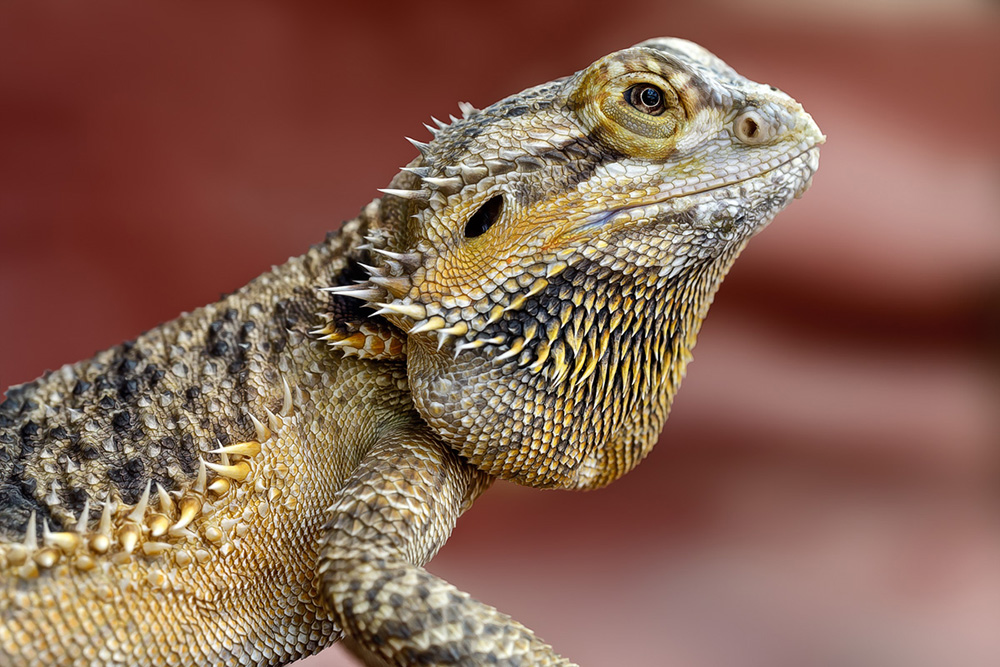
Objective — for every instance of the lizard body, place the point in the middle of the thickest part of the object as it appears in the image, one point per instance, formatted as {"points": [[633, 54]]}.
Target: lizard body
{"points": [[268, 474]]}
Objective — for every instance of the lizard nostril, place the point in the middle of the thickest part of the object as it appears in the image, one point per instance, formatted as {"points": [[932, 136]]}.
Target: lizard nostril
{"points": [[749, 128], [484, 218]]}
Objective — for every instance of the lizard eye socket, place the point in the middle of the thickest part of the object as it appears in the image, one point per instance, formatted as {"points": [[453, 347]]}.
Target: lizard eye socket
{"points": [[484, 217], [638, 115], [647, 98], [632, 103]]}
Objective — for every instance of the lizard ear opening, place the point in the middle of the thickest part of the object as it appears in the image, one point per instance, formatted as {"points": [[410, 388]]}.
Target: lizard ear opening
{"points": [[487, 214]]}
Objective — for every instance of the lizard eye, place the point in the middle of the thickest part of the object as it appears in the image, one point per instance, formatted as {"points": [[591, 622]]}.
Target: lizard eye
{"points": [[647, 98], [483, 219]]}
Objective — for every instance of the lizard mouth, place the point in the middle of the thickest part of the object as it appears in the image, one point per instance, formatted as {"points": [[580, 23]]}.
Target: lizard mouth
{"points": [[806, 152]]}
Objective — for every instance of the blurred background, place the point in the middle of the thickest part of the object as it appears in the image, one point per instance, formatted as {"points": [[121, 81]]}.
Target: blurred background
{"points": [[826, 491]]}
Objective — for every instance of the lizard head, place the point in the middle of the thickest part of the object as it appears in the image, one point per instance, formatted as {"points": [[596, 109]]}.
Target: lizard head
{"points": [[552, 255]]}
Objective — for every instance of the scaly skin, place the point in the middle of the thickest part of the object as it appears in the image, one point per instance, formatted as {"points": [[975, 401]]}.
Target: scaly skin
{"points": [[260, 478]]}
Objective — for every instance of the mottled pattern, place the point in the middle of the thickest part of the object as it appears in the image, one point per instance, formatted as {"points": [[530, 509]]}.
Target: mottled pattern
{"points": [[260, 478], [237, 583]]}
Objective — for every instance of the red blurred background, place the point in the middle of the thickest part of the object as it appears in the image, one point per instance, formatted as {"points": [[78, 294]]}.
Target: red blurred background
{"points": [[826, 491]]}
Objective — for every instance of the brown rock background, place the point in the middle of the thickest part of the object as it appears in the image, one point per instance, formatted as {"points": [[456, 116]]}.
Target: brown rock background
{"points": [[826, 491]]}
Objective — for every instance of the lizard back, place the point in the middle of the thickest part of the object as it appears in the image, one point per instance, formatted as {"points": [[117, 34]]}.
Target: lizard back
{"points": [[181, 475]]}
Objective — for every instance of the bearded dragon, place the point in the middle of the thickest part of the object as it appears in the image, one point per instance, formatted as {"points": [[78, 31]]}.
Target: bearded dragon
{"points": [[267, 475]]}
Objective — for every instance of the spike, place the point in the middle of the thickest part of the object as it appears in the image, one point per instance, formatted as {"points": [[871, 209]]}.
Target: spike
{"points": [[272, 420], [53, 498], [220, 487], [392, 268], [479, 342], [164, 500], [414, 311], [81, 523], [420, 146], [140, 509], [354, 340], [158, 524], [542, 350], [286, 407], [355, 292], [128, 537], [409, 260], [441, 124], [470, 345], [47, 557], [457, 329], [466, 109], [516, 302], [397, 286], [417, 171], [445, 186], [263, 433], [249, 448], [238, 471], [66, 541], [432, 324], [199, 484], [190, 506], [432, 130], [104, 527], [443, 339], [101, 542], [592, 360], [406, 194], [452, 183], [515, 349], [495, 314], [372, 270], [537, 286], [337, 289]]}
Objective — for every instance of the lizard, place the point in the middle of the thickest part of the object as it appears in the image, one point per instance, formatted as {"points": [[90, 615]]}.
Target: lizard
{"points": [[267, 475]]}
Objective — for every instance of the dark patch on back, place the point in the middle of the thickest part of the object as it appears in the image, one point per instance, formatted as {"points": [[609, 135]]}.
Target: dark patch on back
{"points": [[130, 478], [122, 421], [187, 454]]}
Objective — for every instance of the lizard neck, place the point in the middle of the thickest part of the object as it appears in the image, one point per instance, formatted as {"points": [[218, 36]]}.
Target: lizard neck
{"points": [[591, 366]]}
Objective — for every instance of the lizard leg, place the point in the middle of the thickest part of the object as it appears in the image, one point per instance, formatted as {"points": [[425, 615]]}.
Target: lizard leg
{"points": [[389, 519]]}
